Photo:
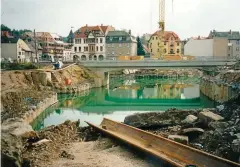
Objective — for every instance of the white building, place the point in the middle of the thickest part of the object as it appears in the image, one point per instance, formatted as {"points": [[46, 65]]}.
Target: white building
{"points": [[89, 42], [203, 47], [13, 49]]}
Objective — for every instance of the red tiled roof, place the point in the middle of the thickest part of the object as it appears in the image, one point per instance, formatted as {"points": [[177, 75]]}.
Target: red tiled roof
{"points": [[83, 29], [6, 34], [168, 34]]}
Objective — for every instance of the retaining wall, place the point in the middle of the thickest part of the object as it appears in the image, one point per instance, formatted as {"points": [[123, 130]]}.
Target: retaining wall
{"points": [[34, 113]]}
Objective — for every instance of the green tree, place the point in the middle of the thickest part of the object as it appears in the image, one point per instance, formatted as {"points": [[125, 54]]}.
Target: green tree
{"points": [[5, 28], [140, 50]]}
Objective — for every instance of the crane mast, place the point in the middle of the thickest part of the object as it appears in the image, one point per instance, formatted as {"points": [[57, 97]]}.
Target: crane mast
{"points": [[161, 28]]}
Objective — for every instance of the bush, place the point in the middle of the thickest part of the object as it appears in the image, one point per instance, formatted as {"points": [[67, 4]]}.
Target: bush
{"points": [[18, 66]]}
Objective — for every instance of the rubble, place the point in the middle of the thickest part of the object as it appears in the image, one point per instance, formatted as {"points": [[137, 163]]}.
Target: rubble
{"points": [[207, 116], [170, 117], [190, 119]]}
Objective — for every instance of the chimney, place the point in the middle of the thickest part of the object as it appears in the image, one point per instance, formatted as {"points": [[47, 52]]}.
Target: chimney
{"points": [[86, 25], [199, 37], [230, 32], [101, 25], [130, 32]]}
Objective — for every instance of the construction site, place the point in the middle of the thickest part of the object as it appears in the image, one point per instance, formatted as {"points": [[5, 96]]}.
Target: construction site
{"points": [[81, 114]]}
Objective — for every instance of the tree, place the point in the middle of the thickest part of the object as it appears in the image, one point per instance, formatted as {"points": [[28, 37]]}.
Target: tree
{"points": [[140, 50], [5, 28]]}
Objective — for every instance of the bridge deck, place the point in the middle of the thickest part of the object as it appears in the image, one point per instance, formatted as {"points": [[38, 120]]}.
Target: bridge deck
{"points": [[155, 63]]}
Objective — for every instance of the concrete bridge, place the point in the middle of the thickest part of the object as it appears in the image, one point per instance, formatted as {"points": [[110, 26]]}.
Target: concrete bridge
{"points": [[102, 68], [153, 64]]}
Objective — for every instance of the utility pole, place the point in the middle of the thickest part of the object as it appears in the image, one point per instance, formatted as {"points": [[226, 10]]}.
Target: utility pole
{"points": [[35, 41]]}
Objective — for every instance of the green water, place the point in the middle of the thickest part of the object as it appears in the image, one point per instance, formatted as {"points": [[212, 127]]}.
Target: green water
{"points": [[125, 97]]}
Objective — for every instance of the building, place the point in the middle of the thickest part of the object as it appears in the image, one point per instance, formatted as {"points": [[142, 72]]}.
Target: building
{"points": [[233, 41], [145, 38], [51, 43], [31, 44], [205, 47], [16, 50], [89, 42], [172, 44], [120, 43]]}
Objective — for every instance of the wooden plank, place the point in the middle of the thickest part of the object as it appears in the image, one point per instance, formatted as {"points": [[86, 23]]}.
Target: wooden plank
{"points": [[172, 152]]}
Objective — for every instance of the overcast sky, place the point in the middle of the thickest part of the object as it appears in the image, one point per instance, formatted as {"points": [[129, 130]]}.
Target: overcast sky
{"points": [[189, 17]]}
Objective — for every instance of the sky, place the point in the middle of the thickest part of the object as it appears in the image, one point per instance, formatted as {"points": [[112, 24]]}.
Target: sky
{"points": [[189, 18]]}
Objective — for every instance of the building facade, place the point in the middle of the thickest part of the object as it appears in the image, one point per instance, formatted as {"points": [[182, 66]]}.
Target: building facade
{"points": [[15, 50], [51, 43], [90, 43], [120, 43], [233, 38], [172, 44], [204, 47]]}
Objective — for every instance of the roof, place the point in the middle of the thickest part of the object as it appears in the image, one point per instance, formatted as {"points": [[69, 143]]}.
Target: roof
{"points": [[81, 32], [54, 35], [118, 33], [31, 46], [229, 34], [167, 35], [146, 49]]}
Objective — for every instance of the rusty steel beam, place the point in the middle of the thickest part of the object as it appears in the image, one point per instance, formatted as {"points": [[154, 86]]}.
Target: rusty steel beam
{"points": [[172, 152]]}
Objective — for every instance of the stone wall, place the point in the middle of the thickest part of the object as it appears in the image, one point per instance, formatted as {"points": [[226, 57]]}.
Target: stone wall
{"points": [[35, 111], [221, 88]]}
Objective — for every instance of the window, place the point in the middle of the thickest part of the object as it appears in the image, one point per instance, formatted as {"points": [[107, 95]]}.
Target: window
{"points": [[237, 49], [120, 45], [150, 45], [111, 38], [101, 41], [101, 48], [164, 43], [165, 51], [178, 44], [97, 40], [177, 50], [84, 41], [79, 49], [19, 53], [75, 49], [156, 37], [120, 38], [113, 52], [151, 50], [96, 48]]}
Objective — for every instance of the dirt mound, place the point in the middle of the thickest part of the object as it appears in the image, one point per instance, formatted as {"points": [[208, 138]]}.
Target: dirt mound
{"points": [[54, 140]]}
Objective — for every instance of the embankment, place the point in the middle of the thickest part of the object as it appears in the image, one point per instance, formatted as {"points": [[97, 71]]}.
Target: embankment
{"points": [[26, 93], [223, 87]]}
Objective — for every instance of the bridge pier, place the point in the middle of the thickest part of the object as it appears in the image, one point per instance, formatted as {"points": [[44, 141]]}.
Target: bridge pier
{"points": [[102, 80]]}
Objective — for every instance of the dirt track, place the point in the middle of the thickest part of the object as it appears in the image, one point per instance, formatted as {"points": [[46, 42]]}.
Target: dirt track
{"points": [[100, 154]]}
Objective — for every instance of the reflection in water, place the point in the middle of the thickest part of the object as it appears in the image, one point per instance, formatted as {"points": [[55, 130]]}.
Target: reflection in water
{"points": [[125, 97]]}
